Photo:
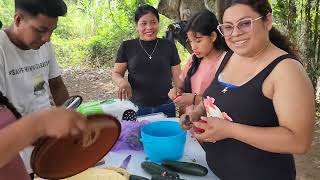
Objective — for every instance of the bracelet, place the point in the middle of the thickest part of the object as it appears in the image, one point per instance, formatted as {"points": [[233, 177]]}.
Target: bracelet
{"points": [[194, 99]]}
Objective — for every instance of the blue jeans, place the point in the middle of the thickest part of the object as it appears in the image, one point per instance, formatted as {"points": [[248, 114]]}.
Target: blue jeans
{"points": [[168, 108]]}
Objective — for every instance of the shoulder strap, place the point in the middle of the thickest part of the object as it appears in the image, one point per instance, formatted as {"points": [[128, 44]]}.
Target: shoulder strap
{"points": [[268, 69], [4, 101], [225, 60]]}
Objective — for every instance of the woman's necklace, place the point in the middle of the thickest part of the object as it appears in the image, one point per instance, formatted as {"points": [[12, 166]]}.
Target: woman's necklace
{"points": [[150, 55]]}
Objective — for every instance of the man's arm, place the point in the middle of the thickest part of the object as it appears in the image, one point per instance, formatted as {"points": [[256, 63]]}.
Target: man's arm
{"points": [[58, 90]]}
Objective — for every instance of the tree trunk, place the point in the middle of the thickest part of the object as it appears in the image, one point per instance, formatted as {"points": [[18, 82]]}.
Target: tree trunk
{"points": [[292, 17], [169, 8], [316, 27], [184, 9], [309, 54], [316, 40]]}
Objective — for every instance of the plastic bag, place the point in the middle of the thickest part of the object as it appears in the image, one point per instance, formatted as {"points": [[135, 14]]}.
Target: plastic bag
{"points": [[121, 109], [130, 136]]}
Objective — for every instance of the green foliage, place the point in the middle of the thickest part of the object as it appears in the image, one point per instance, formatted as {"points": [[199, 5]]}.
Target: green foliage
{"points": [[70, 52], [6, 12], [103, 47], [299, 19], [92, 31], [75, 25], [112, 21], [285, 12]]}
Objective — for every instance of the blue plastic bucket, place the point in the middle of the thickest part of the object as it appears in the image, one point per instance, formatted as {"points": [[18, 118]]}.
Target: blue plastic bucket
{"points": [[163, 140]]}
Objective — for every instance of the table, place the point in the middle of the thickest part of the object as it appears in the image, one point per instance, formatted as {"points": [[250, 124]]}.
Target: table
{"points": [[193, 151]]}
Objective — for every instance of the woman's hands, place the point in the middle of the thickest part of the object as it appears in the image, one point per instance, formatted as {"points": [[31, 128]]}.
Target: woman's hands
{"points": [[185, 99], [186, 120], [125, 90], [207, 129], [174, 93], [214, 129], [180, 98]]}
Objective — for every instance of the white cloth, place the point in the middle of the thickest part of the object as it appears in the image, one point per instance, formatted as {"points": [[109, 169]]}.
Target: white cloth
{"points": [[24, 76]]}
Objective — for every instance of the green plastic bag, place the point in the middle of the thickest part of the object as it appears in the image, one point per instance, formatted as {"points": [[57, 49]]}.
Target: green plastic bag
{"points": [[121, 109]]}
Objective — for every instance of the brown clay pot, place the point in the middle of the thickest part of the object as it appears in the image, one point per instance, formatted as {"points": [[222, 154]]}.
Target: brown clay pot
{"points": [[62, 158]]}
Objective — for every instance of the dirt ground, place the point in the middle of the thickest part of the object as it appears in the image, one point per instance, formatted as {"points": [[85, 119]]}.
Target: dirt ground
{"points": [[93, 84]]}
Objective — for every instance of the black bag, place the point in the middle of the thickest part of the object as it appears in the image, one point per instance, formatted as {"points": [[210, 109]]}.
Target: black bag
{"points": [[176, 31]]}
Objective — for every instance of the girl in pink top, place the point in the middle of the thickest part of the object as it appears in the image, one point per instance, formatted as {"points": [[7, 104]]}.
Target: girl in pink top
{"points": [[208, 50]]}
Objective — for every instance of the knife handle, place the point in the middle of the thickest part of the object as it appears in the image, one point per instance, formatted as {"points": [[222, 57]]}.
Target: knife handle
{"points": [[135, 177]]}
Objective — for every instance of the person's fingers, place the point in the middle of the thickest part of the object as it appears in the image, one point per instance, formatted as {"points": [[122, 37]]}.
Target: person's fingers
{"points": [[183, 117], [203, 136], [179, 91], [120, 94], [74, 131], [209, 140], [200, 124], [123, 93], [204, 118], [226, 116], [81, 124], [185, 127], [199, 136], [171, 95], [183, 124], [177, 99], [129, 92]]}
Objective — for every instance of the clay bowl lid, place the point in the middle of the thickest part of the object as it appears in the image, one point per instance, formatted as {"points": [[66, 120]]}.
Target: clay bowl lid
{"points": [[62, 158]]}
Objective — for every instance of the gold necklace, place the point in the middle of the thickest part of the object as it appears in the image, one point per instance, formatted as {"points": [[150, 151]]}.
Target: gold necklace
{"points": [[150, 55]]}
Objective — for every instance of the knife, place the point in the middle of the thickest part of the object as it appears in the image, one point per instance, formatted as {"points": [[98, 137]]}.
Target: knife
{"points": [[74, 103], [125, 162], [124, 165], [122, 169]]}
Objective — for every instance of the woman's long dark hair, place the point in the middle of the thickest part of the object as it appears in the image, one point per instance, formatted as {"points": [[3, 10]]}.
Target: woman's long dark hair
{"points": [[4, 101], [262, 7], [204, 23]]}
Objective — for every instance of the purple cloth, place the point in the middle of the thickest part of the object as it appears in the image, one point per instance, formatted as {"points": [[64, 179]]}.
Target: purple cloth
{"points": [[130, 136]]}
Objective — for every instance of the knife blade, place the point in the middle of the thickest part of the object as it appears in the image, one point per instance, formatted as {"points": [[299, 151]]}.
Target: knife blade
{"points": [[75, 103], [125, 162], [122, 169]]}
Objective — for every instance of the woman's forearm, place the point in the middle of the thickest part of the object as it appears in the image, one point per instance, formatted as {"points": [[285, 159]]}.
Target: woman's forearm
{"points": [[176, 71], [118, 78], [15, 137]]}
